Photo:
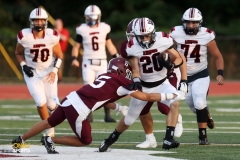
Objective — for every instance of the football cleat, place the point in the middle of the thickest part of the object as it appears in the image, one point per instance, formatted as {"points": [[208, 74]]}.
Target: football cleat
{"points": [[48, 145], [210, 122], [107, 142], [203, 141], [179, 127], [170, 143], [17, 143], [147, 144]]}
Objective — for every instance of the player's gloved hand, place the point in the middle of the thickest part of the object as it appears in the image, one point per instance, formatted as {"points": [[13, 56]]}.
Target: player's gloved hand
{"points": [[183, 86], [136, 85], [28, 70], [165, 61]]}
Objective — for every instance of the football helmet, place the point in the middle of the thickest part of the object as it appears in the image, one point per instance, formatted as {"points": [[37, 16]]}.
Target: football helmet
{"points": [[193, 15], [120, 67], [130, 28], [145, 27], [38, 13], [92, 15]]}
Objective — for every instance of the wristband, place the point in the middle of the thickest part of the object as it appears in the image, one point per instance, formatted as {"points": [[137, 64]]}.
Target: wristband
{"points": [[22, 63], [57, 63], [74, 57], [220, 72], [55, 70], [136, 79]]}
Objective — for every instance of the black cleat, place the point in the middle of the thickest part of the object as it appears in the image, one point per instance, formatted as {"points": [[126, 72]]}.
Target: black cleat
{"points": [[203, 141], [107, 142], [210, 122], [49, 146], [17, 143], [170, 143], [109, 119]]}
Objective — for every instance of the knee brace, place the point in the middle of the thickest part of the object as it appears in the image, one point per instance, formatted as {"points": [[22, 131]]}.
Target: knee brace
{"points": [[202, 115]]}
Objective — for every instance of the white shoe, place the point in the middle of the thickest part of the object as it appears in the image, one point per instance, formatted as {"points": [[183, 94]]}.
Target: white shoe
{"points": [[147, 144], [123, 110], [179, 127]]}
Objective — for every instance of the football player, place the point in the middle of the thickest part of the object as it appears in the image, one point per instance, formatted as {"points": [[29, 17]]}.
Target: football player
{"points": [[145, 116], [94, 37], [39, 53], [195, 41], [76, 106], [147, 50]]}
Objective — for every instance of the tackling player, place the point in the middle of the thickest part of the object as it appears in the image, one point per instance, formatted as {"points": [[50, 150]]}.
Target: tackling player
{"points": [[76, 106]]}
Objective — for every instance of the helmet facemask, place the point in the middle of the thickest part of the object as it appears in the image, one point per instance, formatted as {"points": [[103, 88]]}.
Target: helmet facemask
{"points": [[38, 28], [92, 20], [146, 44], [191, 31]]}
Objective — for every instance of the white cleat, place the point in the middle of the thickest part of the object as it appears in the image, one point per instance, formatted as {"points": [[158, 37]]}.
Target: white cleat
{"points": [[179, 127], [123, 110], [147, 144]]}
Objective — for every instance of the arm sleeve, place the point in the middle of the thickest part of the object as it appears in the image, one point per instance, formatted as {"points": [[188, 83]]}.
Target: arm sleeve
{"points": [[78, 38]]}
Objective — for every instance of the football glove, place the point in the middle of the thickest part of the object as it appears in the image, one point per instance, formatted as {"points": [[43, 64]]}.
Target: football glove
{"points": [[183, 86], [136, 85], [165, 61], [28, 70]]}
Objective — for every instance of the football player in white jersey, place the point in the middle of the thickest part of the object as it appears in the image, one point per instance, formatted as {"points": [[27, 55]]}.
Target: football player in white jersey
{"points": [[149, 66], [145, 115], [93, 36], [194, 41], [39, 53]]}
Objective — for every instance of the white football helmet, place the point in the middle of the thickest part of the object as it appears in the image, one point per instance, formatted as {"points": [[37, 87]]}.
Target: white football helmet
{"points": [[92, 15], [130, 28], [192, 14], [145, 27], [38, 13]]}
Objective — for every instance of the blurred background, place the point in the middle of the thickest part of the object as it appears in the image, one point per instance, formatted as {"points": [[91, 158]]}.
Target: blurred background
{"points": [[222, 16]]}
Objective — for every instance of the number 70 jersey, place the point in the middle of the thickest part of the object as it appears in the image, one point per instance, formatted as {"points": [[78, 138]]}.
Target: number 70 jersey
{"points": [[38, 52], [194, 47]]}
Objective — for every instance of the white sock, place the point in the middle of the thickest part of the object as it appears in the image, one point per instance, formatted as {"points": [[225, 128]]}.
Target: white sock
{"points": [[150, 136], [22, 140], [117, 107]]}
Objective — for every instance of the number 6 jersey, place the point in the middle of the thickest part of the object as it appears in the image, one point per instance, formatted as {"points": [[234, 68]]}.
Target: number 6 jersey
{"points": [[93, 40], [38, 53], [194, 47]]}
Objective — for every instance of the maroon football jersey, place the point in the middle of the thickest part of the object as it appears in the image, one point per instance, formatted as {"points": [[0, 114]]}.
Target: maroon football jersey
{"points": [[105, 89], [123, 47]]}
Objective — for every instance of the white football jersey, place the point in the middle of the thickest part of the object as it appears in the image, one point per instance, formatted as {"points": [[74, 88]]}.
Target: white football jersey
{"points": [[38, 53], [94, 40], [194, 47], [150, 70]]}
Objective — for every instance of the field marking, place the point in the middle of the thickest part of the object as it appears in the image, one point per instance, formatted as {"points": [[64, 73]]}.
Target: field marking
{"points": [[87, 153]]}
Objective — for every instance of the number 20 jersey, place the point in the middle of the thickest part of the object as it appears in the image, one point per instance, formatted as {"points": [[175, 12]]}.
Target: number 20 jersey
{"points": [[150, 70], [38, 53], [94, 40], [194, 47]]}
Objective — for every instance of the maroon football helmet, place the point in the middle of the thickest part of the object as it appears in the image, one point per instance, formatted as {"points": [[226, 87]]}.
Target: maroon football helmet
{"points": [[120, 67]]}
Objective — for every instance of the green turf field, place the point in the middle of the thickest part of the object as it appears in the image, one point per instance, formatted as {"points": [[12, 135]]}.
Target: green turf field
{"points": [[17, 116]]}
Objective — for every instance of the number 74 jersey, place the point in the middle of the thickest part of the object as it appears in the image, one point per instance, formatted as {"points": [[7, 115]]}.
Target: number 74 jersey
{"points": [[194, 47]]}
